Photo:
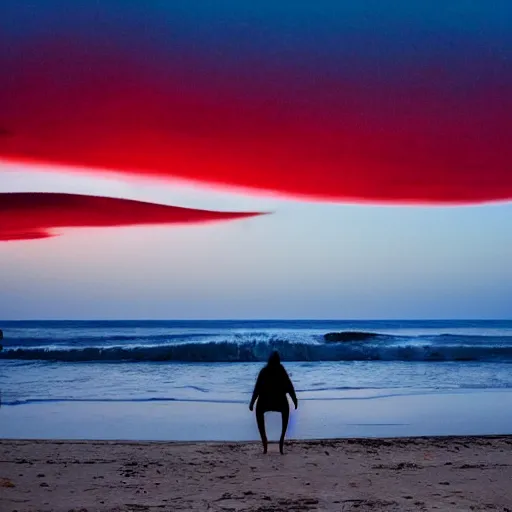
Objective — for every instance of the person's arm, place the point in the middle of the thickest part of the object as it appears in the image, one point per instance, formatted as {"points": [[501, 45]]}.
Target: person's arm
{"points": [[290, 389], [256, 391]]}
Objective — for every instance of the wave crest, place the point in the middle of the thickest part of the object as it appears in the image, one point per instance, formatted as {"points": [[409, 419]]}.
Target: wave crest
{"points": [[258, 351]]}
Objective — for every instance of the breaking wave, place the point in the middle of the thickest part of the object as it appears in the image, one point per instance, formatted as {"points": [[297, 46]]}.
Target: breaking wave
{"points": [[379, 348]]}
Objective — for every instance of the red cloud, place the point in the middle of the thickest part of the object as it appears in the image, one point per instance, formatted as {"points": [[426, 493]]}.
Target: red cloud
{"points": [[416, 143], [28, 216]]}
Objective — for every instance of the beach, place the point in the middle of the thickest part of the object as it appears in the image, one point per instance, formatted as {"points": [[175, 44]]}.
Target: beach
{"points": [[400, 474], [117, 416]]}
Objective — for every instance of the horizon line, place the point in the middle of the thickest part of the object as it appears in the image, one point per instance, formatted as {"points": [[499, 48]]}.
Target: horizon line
{"points": [[257, 320]]}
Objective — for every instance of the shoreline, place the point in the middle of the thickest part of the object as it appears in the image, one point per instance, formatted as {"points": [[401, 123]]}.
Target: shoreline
{"points": [[289, 441], [425, 473], [477, 413]]}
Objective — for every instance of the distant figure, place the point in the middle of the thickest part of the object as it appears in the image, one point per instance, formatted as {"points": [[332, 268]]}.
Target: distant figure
{"points": [[270, 390]]}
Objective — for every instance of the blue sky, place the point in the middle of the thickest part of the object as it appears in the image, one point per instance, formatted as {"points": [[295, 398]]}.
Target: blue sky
{"points": [[307, 260]]}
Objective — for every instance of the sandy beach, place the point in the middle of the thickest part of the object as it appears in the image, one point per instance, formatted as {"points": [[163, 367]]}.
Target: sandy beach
{"points": [[429, 473]]}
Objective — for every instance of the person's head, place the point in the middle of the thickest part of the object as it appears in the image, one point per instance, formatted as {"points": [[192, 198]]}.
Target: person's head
{"points": [[274, 359]]}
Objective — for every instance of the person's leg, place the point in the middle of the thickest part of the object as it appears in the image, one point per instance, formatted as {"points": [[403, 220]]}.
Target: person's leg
{"points": [[285, 413], [260, 419]]}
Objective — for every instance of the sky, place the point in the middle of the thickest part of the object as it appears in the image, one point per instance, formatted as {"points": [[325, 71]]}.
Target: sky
{"points": [[361, 129], [306, 260]]}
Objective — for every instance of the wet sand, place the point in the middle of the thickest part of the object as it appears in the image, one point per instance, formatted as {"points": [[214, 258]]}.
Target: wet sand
{"points": [[400, 474]]}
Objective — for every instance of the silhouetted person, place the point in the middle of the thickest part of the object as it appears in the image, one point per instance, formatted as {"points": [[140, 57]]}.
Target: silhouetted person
{"points": [[270, 390]]}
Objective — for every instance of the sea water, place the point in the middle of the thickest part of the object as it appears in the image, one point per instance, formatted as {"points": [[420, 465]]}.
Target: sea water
{"points": [[183, 379]]}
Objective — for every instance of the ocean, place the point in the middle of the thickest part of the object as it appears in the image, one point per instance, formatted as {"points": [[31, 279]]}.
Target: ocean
{"points": [[183, 373]]}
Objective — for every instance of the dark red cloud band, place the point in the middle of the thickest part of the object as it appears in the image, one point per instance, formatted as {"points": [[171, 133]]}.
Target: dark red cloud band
{"points": [[28, 216], [346, 101], [381, 142]]}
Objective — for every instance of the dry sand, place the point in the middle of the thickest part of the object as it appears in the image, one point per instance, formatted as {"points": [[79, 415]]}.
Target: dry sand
{"points": [[444, 474]]}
